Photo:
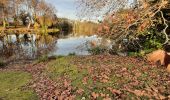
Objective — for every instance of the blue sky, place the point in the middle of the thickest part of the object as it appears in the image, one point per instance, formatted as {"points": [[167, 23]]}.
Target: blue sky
{"points": [[65, 8]]}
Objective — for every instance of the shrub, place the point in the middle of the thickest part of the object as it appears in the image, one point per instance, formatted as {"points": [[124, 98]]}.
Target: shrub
{"points": [[42, 58], [97, 50], [2, 64], [72, 54]]}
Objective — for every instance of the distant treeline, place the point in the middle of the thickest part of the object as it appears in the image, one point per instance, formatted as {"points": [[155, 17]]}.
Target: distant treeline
{"points": [[85, 27], [78, 27]]}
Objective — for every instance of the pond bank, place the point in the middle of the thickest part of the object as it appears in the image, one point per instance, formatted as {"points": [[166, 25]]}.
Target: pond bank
{"points": [[26, 31], [97, 77]]}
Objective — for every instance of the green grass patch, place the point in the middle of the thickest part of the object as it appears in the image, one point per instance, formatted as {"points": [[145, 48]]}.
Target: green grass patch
{"points": [[12, 86], [63, 67], [124, 75]]}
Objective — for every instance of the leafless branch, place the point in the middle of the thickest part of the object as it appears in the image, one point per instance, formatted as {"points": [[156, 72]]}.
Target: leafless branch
{"points": [[164, 30]]}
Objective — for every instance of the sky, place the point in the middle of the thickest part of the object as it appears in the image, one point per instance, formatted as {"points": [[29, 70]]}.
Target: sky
{"points": [[65, 8]]}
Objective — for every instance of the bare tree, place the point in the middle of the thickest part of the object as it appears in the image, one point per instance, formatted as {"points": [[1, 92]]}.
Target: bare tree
{"points": [[100, 7]]}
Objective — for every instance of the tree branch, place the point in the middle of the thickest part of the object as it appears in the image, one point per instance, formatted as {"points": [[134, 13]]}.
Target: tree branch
{"points": [[164, 30]]}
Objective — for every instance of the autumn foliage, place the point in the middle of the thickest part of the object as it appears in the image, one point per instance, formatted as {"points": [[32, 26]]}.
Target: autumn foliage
{"points": [[145, 26]]}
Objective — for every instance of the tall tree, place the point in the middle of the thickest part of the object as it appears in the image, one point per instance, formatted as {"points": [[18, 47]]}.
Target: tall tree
{"points": [[4, 10]]}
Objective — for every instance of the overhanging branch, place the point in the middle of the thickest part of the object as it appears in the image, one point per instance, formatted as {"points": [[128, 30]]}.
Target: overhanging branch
{"points": [[164, 30]]}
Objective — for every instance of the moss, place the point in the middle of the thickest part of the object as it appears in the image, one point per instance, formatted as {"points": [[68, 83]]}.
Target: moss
{"points": [[11, 86]]}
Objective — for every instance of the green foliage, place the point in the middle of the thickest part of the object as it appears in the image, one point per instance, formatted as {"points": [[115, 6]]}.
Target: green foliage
{"points": [[146, 42], [72, 54], [97, 50], [12, 86], [141, 53], [59, 56], [43, 58], [153, 39], [135, 54], [2, 64]]}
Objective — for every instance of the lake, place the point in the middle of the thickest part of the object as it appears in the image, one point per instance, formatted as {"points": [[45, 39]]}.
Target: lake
{"points": [[32, 46]]}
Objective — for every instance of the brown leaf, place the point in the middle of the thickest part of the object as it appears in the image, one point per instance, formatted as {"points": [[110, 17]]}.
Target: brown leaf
{"points": [[169, 96], [94, 95], [139, 92], [85, 80], [107, 98], [102, 95], [80, 91], [168, 68], [104, 80], [161, 97], [56, 92], [114, 91], [66, 83]]}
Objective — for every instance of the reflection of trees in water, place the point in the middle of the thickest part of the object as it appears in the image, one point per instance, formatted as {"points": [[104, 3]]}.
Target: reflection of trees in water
{"points": [[45, 44], [26, 46]]}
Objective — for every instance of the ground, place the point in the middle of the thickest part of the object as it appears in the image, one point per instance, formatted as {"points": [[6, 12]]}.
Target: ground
{"points": [[101, 77], [12, 86]]}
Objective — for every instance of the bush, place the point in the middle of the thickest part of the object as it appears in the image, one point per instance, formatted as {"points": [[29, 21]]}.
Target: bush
{"points": [[2, 64], [43, 58], [72, 54], [146, 41], [97, 50]]}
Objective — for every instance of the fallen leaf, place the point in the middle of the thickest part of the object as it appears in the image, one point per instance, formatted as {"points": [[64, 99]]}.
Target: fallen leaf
{"points": [[102, 95], [94, 95], [85, 80], [66, 83], [114, 91], [80, 91], [107, 98]]}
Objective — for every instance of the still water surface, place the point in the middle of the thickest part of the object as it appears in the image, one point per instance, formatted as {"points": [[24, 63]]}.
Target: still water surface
{"points": [[31, 46]]}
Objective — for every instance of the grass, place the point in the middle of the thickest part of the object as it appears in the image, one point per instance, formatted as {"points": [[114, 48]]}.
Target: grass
{"points": [[61, 67], [12, 86], [121, 75], [64, 67]]}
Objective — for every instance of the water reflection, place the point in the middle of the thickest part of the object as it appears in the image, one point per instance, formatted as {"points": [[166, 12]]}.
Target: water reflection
{"points": [[26, 46], [32, 46], [74, 44]]}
